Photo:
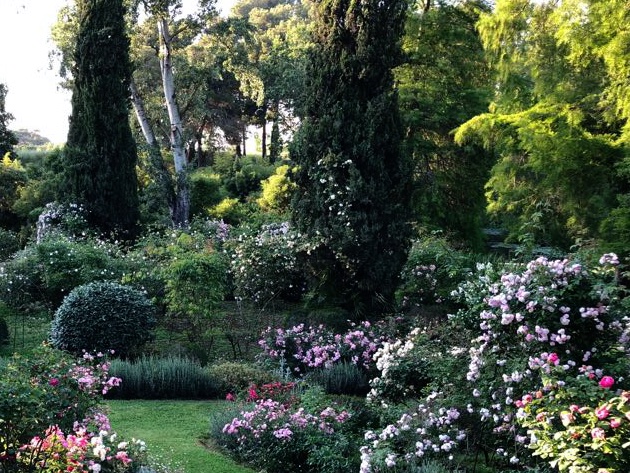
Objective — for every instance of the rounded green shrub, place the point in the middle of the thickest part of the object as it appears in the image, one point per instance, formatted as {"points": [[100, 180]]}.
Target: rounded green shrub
{"points": [[103, 316], [234, 377]]}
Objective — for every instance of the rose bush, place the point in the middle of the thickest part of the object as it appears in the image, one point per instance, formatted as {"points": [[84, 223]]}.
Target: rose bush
{"points": [[301, 436], [579, 424], [91, 447], [47, 389], [523, 321], [304, 349]]}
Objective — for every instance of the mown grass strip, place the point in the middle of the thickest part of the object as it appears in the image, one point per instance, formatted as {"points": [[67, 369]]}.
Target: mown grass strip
{"points": [[173, 431]]}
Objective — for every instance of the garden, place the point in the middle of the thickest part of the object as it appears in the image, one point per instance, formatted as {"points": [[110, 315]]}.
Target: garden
{"points": [[489, 364], [426, 273]]}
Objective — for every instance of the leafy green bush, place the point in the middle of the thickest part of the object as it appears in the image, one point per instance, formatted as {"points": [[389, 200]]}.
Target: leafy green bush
{"points": [[234, 377], [186, 274], [246, 176], [9, 243], [43, 274], [173, 377], [196, 283], [205, 190], [277, 190], [103, 316], [12, 177], [230, 210]]}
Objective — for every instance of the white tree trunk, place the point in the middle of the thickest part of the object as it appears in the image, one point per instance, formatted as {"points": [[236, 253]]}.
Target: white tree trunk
{"points": [[182, 202], [141, 114], [168, 84], [157, 168]]}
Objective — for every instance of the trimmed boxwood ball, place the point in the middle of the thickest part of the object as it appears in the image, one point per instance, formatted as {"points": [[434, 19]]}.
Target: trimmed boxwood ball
{"points": [[102, 316]]}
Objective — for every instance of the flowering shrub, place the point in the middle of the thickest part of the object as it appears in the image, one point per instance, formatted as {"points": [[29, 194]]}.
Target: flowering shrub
{"points": [[403, 368], [282, 438], [430, 429], [56, 218], [522, 320], [579, 424], [44, 273], [265, 265], [433, 269], [91, 447], [50, 388], [306, 348]]}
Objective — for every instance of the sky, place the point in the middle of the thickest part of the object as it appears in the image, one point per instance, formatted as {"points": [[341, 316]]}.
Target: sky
{"points": [[34, 97]]}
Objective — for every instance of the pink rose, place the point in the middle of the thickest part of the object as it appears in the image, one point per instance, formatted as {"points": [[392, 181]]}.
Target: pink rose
{"points": [[566, 418], [553, 358], [602, 412], [598, 433], [53, 382], [606, 382], [615, 422], [229, 397]]}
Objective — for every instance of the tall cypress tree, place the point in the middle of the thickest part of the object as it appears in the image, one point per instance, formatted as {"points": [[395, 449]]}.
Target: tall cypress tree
{"points": [[353, 180], [100, 154]]}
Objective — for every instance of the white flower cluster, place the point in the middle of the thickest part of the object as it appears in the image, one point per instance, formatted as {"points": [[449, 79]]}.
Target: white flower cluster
{"points": [[389, 355]]}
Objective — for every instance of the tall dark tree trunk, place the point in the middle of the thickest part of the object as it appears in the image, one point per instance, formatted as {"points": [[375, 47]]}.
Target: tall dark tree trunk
{"points": [[275, 147], [263, 139]]}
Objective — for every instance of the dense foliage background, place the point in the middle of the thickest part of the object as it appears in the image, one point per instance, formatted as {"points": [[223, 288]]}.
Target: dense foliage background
{"points": [[418, 264]]}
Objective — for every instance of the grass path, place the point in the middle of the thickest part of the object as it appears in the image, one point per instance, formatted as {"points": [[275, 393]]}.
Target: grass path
{"points": [[172, 431]]}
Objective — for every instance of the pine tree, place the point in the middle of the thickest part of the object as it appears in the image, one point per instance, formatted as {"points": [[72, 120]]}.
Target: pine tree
{"points": [[100, 154], [353, 180]]}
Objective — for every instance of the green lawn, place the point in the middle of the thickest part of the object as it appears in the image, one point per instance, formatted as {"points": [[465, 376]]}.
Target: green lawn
{"points": [[172, 431]]}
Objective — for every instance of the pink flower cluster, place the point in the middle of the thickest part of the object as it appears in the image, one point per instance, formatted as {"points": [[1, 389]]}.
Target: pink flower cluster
{"points": [[281, 422], [82, 451], [92, 379], [319, 347]]}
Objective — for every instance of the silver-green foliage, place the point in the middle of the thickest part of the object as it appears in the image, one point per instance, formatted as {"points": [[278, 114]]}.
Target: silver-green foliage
{"points": [[172, 377]]}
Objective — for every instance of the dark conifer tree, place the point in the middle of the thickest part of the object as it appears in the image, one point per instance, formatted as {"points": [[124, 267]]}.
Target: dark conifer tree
{"points": [[100, 155], [353, 180]]}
